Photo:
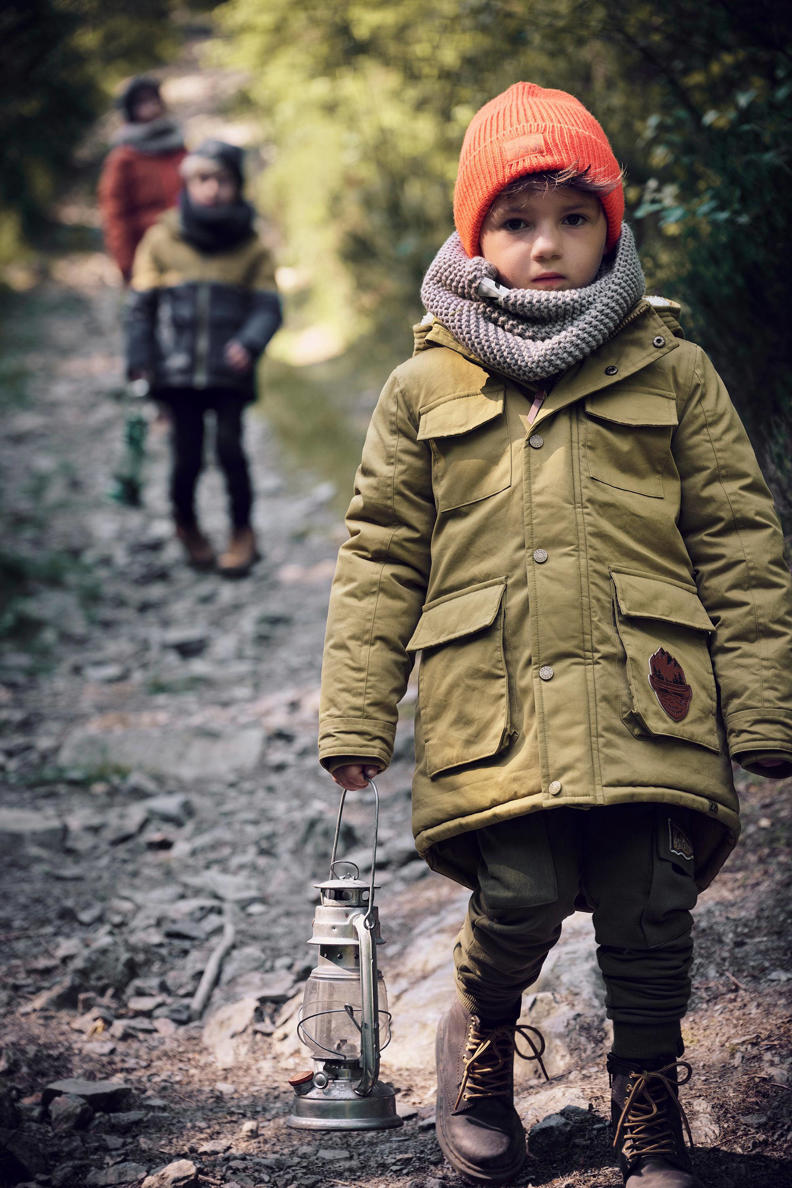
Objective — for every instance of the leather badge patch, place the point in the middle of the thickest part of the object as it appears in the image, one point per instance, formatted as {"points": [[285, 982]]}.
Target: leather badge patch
{"points": [[667, 678], [678, 841]]}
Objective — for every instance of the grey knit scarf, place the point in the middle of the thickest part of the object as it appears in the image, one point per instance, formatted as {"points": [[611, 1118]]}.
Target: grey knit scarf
{"points": [[525, 333], [154, 138]]}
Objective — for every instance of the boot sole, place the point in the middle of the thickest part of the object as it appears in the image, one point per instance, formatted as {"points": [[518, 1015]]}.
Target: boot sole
{"points": [[468, 1171], [239, 571], [474, 1175]]}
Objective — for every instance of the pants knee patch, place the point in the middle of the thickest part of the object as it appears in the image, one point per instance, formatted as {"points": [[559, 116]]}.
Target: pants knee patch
{"points": [[517, 869]]}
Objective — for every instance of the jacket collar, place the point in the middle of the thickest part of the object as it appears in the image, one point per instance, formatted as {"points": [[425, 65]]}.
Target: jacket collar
{"points": [[644, 338], [648, 333]]}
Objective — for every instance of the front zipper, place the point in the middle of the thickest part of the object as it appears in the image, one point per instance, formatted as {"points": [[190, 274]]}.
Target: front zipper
{"points": [[201, 369]]}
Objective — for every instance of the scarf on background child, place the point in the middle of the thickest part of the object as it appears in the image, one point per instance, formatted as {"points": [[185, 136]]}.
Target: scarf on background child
{"points": [[215, 228], [530, 334], [153, 138]]}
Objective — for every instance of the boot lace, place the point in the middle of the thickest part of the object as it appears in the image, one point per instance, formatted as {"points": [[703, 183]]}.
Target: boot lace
{"points": [[646, 1126], [488, 1062]]}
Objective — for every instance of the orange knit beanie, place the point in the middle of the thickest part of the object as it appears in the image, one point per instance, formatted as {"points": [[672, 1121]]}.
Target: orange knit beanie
{"points": [[529, 129]]}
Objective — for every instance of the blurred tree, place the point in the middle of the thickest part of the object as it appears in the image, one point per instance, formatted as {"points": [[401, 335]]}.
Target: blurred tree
{"points": [[59, 58], [720, 153], [366, 106]]}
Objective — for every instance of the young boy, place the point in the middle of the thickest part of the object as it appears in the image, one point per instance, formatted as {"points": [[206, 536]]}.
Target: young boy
{"points": [[202, 308], [558, 508]]}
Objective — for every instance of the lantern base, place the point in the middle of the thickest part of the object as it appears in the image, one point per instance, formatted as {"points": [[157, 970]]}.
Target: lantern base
{"points": [[338, 1107]]}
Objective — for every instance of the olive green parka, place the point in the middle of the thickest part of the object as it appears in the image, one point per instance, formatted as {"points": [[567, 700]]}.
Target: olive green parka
{"points": [[598, 596]]}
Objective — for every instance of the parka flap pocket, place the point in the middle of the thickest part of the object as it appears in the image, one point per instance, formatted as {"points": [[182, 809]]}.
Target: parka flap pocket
{"points": [[633, 407], [457, 615], [463, 685], [652, 598], [628, 439], [471, 453], [461, 414]]}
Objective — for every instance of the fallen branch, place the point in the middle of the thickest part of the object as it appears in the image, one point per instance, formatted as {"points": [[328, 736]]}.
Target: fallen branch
{"points": [[212, 969]]}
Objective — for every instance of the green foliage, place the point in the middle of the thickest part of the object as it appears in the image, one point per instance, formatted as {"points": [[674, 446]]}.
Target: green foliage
{"points": [[722, 158], [366, 107], [60, 60], [25, 575]]}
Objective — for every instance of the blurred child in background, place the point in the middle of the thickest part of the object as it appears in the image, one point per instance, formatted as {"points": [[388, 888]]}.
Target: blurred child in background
{"points": [[141, 177], [203, 306]]}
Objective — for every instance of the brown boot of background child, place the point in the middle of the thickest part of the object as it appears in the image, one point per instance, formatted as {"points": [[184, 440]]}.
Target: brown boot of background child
{"points": [[200, 553], [240, 555]]}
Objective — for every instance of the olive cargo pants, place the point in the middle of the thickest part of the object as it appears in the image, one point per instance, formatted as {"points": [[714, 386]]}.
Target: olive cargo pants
{"points": [[633, 867]]}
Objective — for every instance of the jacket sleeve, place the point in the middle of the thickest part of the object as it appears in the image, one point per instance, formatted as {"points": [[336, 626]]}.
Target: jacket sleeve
{"points": [[734, 540], [113, 192], [379, 587], [261, 323], [266, 313], [140, 313]]}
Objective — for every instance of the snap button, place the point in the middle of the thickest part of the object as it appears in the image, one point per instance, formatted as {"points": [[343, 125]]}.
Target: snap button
{"points": [[540, 556], [555, 787], [546, 673], [611, 369], [659, 341], [536, 441]]}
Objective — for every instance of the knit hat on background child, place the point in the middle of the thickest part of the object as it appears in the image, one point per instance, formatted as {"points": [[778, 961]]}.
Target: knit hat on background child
{"points": [[530, 129], [217, 154], [133, 91]]}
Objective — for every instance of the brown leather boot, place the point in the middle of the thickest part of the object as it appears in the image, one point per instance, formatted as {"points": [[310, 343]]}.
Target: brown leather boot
{"points": [[240, 555], [200, 553], [478, 1128], [648, 1120]]}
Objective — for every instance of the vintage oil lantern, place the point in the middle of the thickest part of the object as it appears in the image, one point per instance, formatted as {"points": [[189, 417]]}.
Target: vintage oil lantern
{"points": [[344, 1018]]}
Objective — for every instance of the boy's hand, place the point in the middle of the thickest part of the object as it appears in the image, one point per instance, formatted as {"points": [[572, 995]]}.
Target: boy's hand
{"points": [[356, 775], [237, 356]]}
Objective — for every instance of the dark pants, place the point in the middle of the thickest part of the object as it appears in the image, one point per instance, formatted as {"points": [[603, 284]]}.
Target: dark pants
{"points": [[632, 865], [188, 408]]}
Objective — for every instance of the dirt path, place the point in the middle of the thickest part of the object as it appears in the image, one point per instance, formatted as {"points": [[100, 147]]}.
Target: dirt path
{"points": [[159, 781]]}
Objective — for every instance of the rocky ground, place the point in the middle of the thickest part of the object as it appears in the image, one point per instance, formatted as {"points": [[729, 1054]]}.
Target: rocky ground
{"points": [[160, 800]]}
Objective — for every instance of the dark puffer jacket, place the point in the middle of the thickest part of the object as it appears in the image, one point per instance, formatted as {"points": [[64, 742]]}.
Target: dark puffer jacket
{"points": [[185, 306]]}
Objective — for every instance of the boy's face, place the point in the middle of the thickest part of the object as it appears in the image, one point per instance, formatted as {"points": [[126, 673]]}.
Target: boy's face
{"points": [[548, 239], [212, 187]]}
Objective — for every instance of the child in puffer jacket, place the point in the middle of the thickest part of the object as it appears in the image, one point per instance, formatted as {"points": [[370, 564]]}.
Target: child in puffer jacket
{"points": [[558, 508], [203, 306]]}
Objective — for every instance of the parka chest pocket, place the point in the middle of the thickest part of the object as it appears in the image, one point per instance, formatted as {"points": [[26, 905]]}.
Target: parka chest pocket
{"points": [[471, 454], [463, 688], [664, 630], [628, 437]]}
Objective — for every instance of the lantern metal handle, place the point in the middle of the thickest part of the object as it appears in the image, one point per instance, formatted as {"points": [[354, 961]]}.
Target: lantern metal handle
{"points": [[364, 926], [370, 923]]}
